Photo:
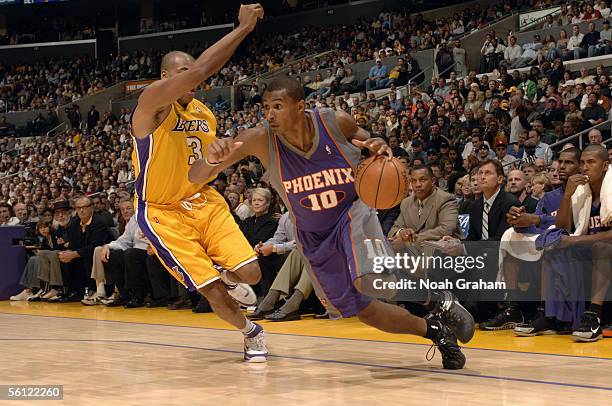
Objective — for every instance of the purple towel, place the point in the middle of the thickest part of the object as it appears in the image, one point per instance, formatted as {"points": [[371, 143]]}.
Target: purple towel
{"points": [[563, 270]]}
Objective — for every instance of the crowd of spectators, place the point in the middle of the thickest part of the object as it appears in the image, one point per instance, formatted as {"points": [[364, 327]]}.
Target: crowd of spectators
{"points": [[58, 81], [452, 127], [53, 83], [576, 12], [461, 138], [497, 52]]}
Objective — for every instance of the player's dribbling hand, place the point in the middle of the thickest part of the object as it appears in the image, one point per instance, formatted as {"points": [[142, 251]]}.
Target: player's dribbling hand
{"points": [[249, 14], [376, 146], [220, 149]]}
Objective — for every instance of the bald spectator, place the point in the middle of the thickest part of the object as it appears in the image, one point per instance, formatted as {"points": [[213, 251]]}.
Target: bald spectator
{"points": [[517, 185]]}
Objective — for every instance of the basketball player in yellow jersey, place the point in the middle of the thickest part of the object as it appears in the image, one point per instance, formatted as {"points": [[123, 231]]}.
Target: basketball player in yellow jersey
{"points": [[188, 224]]}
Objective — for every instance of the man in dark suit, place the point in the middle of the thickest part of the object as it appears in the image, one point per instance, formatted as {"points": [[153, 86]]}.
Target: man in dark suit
{"points": [[488, 214], [84, 232], [93, 116], [488, 223]]}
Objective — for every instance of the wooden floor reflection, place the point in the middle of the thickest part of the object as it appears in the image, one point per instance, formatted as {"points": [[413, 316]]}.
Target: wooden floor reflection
{"points": [[134, 363]]}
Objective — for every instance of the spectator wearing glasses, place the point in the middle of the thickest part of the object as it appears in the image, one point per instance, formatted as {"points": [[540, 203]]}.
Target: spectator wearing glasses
{"points": [[84, 232]]}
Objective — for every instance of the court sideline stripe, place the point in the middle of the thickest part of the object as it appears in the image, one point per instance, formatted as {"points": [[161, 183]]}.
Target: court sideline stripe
{"points": [[327, 361], [311, 336]]}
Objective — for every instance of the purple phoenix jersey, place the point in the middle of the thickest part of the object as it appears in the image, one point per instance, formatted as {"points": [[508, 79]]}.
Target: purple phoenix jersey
{"points": [[595, 224], [319, 184], [547, 211], [337, 234]]}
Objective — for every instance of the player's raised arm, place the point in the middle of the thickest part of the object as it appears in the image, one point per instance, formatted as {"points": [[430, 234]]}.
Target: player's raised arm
{"points": [[162, 93], [360, 137], [225, 152]]}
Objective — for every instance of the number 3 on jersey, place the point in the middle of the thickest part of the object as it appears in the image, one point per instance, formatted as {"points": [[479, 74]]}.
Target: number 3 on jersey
{"points": [[196, 147]]}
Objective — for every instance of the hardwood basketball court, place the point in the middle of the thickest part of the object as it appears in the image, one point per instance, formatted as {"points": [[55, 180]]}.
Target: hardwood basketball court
{"points": [[155, 356]]}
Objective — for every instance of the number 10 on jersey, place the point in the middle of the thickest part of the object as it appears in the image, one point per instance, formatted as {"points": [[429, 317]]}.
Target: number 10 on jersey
{"points": [[325, 200]]}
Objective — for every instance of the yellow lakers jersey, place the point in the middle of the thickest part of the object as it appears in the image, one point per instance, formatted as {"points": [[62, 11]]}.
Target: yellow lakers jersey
{"points": [[162, 159]]}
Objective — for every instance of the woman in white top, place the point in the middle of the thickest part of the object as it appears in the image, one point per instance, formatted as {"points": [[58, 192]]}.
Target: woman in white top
{"points": [[603, 8]]}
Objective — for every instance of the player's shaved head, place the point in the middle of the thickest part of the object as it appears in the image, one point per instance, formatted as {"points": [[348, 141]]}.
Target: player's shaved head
{"points": [[293, 88], [172, 58], [573, 152], [597, 150]]}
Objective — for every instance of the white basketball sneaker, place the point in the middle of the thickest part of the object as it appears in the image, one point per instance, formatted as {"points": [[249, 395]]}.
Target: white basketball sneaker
{"points": [[255, 349], [240, 292], [23, 296]]}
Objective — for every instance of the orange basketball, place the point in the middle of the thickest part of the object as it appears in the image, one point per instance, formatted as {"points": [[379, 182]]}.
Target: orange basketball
{"points": [[381, 183]]}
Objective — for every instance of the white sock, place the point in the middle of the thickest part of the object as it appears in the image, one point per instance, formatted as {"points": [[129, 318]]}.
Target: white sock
{"points": [[225, 278], [100, 291], [248, 327]]}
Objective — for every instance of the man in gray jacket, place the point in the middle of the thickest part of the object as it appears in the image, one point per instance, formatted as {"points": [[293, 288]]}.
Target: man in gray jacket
{"points": [[427, 215]]}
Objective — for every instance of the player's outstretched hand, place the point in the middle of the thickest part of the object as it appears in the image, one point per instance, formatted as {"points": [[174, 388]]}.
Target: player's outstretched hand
{"points": [[249, 14], [376, 146], [220, 149]]}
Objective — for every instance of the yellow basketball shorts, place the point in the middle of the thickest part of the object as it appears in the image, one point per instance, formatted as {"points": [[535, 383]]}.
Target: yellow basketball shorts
{"points": [[189, 236]]}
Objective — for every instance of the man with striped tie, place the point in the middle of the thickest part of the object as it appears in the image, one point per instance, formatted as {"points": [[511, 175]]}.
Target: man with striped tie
{"points": [[488, 223]]}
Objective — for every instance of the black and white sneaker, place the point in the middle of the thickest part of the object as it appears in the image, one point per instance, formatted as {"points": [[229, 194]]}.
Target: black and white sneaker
{"points": [[539, 325], [452, 357], [505, 320], [590, 328], [563, 327], [452, 314]]}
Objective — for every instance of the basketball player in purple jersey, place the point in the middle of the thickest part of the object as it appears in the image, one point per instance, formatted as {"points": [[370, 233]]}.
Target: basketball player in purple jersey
{"points": [[596, 245], [310, 156]]}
